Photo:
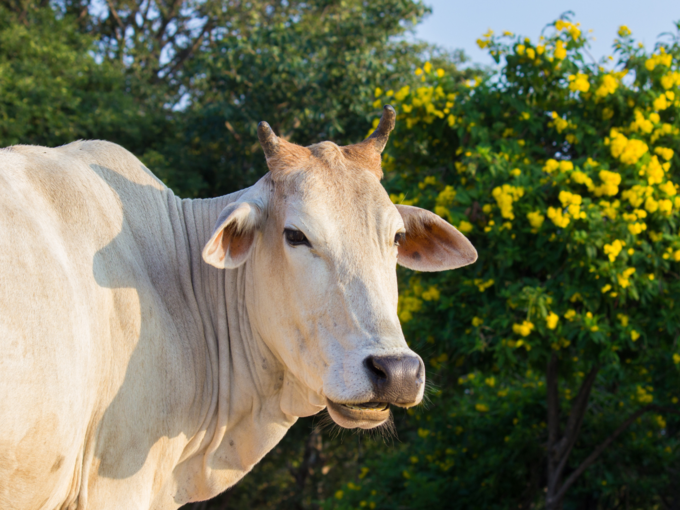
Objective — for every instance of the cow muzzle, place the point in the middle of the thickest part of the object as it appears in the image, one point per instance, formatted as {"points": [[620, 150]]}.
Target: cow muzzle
{"points": [[397, 380]]}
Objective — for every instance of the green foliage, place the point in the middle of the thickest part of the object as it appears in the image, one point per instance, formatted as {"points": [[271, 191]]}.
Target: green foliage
{"points": [[562, 173], [52, 91], [309, 76]]}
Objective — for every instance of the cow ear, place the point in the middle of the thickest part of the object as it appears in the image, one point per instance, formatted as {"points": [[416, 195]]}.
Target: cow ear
{"points": [[432, 244], [234, 235]]}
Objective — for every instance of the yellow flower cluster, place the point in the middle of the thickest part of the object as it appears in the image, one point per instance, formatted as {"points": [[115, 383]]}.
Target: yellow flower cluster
{"points": [[629, 151], [670, 80], [624, 277], [551, 165], [609, 209], [444, 199], [581, 178], [636, 195], [644, 125], [659, 59], [624, 31], [557, 217], [482, 285], [523, 329], [536, 219], [664, 152], [505, 195], [610, 186], [644, 395], [485, 39], [572, 202], [579, 83], [664, 100], [608, 86], [551, 320], [655, 170], [612, 250], [465, 227], [571, 28], [431, 294]]}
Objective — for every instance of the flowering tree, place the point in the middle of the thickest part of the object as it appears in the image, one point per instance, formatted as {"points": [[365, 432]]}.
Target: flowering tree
{"points": [[556, 355]]}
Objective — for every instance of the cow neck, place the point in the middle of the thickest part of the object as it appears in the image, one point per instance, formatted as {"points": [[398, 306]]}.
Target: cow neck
{"points": [[231, 350]]}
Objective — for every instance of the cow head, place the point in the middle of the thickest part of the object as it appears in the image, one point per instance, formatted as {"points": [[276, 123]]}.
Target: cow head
{"points": [[323, 240]]}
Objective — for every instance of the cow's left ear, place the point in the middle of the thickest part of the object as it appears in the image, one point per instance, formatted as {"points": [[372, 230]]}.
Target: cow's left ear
{"points": [[432, 244], [234, 235]]}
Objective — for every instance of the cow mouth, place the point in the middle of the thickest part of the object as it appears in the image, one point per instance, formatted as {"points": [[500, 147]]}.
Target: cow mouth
{"points": [[364, 415]]}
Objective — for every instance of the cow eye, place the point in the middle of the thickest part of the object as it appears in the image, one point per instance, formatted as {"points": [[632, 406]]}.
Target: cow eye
{"points": [[295, 237], [399, 238]]}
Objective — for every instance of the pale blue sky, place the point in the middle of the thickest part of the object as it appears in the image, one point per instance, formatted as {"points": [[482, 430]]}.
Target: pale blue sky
{"points": [[457, 24]]}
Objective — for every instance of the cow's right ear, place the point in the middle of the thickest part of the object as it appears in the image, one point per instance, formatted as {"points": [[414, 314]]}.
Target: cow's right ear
{"points": [[234, 235]]}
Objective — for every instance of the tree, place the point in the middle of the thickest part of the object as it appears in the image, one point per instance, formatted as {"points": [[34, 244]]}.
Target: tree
{"points": [[310, 78], [562, 340], [52, 91]]}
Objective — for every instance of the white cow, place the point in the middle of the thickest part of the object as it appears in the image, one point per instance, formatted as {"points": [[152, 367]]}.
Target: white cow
{"points": [[137, 373]]}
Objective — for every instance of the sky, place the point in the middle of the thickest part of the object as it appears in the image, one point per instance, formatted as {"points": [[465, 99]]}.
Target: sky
{"points": [[457, 24]]}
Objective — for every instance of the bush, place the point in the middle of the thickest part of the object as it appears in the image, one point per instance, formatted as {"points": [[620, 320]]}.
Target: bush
{"points": [[556, 355]]}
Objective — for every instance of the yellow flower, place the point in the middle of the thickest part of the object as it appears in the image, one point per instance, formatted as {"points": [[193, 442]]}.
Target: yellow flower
{"points": [[560, 51], [624, 31], [624, 277], [570, 314], [520, 49], [536, 219], [661, 103], [505, 195], [613, 250], [490, 381], [465, 227], [606, 288], [579, 82], [403, 92], [419, 71], [551, 320], [550, 166], [676, 358], [623, 318], [440, 72], [634, 335], [523, 329], [668, 188], [431, 294], [339, 494], [608, 86], [476, 321], [378, 92], [665, 153], [427, 67], [482, 408], [557, 217], [628, 151]]}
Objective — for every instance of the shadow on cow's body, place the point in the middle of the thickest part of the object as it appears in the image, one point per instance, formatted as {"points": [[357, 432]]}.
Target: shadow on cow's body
{"points": [[181, 339]]}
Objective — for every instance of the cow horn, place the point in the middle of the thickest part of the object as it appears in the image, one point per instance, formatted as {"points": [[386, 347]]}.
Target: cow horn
{"points": [[386, 125], [268, 140]]}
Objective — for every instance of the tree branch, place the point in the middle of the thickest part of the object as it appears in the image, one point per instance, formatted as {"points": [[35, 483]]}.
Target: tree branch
{"points": [[598, 451], [578, 410]]}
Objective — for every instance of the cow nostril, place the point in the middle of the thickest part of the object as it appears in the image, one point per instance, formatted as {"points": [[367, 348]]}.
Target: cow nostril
{"points": [[374, 369]]}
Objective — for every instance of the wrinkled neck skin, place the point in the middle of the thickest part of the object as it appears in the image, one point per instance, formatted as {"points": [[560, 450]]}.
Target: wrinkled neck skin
{"points": [[247, 387]]}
